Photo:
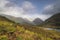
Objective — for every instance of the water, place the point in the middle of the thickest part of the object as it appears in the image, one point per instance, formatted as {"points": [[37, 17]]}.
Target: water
{"points": [[52, 29], [56, 30]]}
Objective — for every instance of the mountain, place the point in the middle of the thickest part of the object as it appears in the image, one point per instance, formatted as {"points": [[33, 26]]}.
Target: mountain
{"points": [[19, 20], [53, 21], [37, 21], [2, 18]]}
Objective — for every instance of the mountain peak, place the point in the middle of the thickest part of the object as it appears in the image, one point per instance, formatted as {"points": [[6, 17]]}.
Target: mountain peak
{"points": [[37, 21]]}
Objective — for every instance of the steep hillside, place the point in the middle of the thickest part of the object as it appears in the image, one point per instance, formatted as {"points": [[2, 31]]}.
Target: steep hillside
{"points": [[13, 31], [53, 21], [2, 18]]}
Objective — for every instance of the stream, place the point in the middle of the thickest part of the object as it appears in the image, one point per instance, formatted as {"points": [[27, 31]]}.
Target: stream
{"points": [[52, 29]]}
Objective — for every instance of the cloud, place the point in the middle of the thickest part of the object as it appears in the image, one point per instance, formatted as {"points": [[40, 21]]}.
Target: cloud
{"points": [[52, 8], [48, 7], [9, 8], [25, 10], [14, 11], [27, 5], [2, 5]]}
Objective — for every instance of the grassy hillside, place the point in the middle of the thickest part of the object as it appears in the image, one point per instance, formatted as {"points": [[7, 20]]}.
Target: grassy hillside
{"points": [[13, 31], [53, 21]]}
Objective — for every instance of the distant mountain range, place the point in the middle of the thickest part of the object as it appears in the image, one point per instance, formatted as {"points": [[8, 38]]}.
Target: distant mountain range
{"points": [[18, 19], [53, 21]]}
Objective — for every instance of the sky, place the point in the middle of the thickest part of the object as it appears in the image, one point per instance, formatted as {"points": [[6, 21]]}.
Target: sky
{"points": [[30, 9]]}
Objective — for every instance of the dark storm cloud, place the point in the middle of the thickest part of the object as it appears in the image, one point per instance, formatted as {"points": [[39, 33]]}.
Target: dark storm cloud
{"points": [[52, 9]]}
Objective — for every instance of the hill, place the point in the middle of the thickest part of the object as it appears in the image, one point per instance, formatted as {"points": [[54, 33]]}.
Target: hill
{"points": [[53, 21]]}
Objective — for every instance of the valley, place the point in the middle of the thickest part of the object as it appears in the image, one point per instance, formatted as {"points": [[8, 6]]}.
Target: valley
{"points": [[10, 30]]}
